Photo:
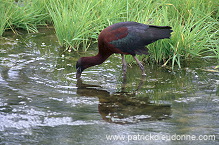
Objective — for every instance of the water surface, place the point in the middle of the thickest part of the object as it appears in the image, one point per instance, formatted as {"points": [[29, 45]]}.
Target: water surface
{"points": [[41, 102]]}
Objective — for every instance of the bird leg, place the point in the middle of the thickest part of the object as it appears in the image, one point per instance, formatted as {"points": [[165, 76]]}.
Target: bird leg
{"points": [[140, 65], [124, 64]]}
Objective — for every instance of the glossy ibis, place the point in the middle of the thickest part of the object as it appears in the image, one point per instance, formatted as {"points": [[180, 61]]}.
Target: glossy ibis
{"points": [[124, 38]]}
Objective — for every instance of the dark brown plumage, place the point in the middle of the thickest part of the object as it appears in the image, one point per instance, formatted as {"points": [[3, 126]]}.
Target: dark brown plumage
{"points": [[124, 38]]}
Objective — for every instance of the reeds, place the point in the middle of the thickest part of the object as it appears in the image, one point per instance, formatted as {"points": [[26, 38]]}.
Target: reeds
{"points": [[5, 14], [28, 15], [78, 23], [195, 25]]}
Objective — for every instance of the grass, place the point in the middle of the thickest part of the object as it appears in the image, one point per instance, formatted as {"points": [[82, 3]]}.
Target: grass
{"points": [[22, 15], [5, 14], [195, 30], [78, 23]]}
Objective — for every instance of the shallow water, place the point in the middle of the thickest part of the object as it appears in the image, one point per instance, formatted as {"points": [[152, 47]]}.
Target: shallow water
{"points": [[41, 102]]}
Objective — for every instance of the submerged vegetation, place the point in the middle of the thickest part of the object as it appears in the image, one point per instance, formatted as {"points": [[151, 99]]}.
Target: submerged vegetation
{"points": [[78, 23]]}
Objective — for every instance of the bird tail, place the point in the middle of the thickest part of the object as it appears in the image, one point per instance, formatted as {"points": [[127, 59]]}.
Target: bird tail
{"points": [[160, 32]]}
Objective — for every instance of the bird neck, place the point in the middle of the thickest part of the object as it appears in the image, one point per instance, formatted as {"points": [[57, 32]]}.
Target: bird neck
{"points": [[95, 60]]}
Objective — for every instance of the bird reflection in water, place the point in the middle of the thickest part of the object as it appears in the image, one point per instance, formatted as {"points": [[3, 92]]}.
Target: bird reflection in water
{"points": [[124, 107]]}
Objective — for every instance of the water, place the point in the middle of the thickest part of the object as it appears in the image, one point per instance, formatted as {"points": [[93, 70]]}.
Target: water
{"points": [[41, 102]]}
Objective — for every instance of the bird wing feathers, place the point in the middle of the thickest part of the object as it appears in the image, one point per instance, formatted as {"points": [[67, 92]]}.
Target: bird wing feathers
{"points": [[131, 37]]}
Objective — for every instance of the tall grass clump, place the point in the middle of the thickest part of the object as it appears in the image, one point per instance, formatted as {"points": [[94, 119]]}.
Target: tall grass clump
{"points": [[23, 14], [5, 14], [72, 21], [77, 23], [195, 29]]}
